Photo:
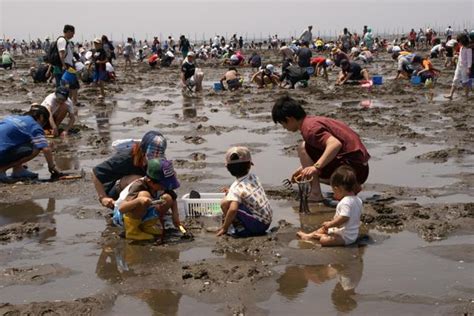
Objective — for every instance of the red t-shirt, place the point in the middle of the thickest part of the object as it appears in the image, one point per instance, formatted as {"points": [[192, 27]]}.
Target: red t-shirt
{"points": [[317, 60], [152, 58], [317, 129]]}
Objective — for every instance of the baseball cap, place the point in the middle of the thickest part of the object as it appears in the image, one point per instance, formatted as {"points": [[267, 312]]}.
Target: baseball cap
{"points": [[153, 145], [161, 171], [191, 54], [237, 154]]}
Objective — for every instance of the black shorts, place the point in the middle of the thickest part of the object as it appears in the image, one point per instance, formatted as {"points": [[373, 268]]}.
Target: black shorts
{"points": [[233, 84], [434, 55], [449, 52], [16, 154]]}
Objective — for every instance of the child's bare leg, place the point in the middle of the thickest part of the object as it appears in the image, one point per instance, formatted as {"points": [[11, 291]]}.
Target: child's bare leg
{"points": [[313, 235], [332, 240]]}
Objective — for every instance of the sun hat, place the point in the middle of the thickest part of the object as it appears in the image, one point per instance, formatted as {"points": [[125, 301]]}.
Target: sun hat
{"points": [[161, 171], [237, 154], [98, 40], [153, 145]]}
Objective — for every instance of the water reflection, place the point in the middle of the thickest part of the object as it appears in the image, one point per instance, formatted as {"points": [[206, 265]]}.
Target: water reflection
{"points": [[124, 259], [36, 211], [102, 118], [191, 106], [348, 274], [162, 302]]}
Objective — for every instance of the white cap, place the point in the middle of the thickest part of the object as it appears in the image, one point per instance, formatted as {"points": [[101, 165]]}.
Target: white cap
{"points": [[270, 68]]}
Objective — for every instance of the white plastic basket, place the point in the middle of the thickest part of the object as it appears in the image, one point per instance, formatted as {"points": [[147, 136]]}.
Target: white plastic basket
{"points": [[208, 205]]}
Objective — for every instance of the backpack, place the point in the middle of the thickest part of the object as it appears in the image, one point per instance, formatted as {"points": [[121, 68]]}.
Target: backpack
{"points": [[52, 57]]}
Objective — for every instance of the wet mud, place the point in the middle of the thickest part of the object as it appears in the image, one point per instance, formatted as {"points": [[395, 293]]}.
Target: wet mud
{"points": [[61, 255]]}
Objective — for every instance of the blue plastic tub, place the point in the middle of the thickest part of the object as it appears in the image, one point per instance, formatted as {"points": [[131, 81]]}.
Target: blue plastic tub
{"points": [[310, 70], [217, 86], [68, 76], [416, 80], [377, 80]]}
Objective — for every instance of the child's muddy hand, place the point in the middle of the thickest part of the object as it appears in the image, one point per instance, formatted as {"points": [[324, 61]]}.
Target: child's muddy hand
{"points": [[221, 232], [146, 201], [224, 190], [107, 202]]}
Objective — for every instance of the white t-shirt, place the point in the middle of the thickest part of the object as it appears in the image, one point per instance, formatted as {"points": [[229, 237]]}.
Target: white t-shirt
{"points": [[436, 48], [349, 206], [50, 103], [62, 44]]}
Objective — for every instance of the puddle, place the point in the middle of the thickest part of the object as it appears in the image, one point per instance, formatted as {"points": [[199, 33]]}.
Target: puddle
{"points": [[197, 254], [377, 276], [160, 302], [401, 168]]}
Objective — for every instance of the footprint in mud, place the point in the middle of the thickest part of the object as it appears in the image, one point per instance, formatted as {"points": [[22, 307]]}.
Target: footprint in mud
{"points": [[136, 121], [181, 163], [441, 156], [198, 156], [197, 140]]}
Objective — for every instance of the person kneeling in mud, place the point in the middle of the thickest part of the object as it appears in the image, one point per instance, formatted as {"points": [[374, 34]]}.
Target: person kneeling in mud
{"points": [[59, 106], [292, 74], [266, 75], [343, 229], [353, 72], [146, 200], [245, 205], [232, 78], [191, 76]]}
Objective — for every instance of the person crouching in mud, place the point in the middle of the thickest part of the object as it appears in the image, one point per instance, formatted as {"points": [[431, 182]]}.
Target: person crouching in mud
{"points": [[245, 205], [136, 211], [352, 71], [232, 78], [328, 144], [113, 175], [190, 75]]}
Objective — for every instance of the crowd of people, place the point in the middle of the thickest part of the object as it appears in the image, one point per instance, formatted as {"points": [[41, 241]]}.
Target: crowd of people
{"points": [[138, 183]]}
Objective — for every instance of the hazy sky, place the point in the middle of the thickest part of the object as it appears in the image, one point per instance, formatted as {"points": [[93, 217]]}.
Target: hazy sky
{"points": [[198, 18]]}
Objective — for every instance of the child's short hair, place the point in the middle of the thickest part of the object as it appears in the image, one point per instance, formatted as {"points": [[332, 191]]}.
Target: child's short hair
{"points": [[239, 169], [344, 177]]}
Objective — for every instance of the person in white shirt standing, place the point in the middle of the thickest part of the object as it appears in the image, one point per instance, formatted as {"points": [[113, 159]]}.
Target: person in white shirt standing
{"points": [[66, 51], [343, 229], [307, 36], [463, 67]]}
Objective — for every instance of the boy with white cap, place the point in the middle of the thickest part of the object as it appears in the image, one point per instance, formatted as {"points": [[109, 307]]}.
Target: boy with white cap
{"points": [[245, 205]]}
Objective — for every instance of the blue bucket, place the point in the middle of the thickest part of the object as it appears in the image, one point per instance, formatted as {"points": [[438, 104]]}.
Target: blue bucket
{"points": [[310, 70], [217, 86], [377, 80], [416, 80], [68, 76]]}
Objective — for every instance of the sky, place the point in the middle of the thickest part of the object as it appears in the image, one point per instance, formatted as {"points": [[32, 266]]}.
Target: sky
{"points": [[199, 19]]}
